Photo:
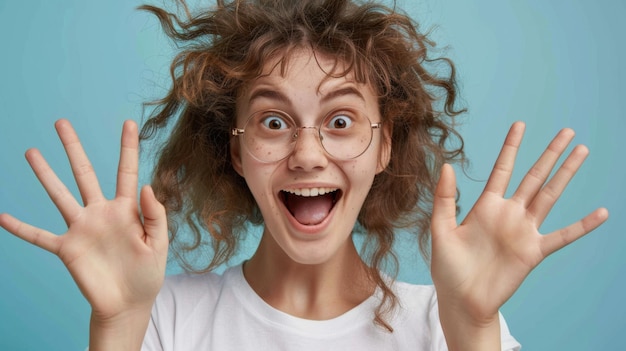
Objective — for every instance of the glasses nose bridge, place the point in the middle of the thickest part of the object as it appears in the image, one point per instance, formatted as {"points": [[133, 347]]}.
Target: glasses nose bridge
{"points": [[316, 134], [296, 134]]}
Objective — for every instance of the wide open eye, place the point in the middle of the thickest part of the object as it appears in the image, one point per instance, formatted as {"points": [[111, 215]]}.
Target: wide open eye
{"points": [[274, 121], [340, 121]]}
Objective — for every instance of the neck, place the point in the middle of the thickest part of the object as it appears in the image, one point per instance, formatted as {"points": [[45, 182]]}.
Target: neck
{"points": [[318, 292]]}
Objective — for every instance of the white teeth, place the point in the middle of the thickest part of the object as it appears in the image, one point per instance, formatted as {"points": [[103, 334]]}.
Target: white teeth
{"points": [[310, 191]]}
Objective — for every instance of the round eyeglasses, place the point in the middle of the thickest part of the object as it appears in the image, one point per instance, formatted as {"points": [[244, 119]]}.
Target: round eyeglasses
{"points": [[271, 135]]}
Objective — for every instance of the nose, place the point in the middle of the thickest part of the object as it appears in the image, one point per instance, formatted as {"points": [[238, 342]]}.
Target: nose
{"points": [[308, 153]]}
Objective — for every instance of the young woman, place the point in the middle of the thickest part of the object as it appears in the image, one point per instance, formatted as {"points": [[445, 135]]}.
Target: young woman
{"points": [[318, 120]]}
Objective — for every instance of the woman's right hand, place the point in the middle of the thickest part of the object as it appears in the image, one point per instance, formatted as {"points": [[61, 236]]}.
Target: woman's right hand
{"points": [[116, 255]]}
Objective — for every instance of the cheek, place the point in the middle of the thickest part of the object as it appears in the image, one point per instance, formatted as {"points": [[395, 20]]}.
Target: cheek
{"points": [[258, 177], [367, 164], [361, 175]]}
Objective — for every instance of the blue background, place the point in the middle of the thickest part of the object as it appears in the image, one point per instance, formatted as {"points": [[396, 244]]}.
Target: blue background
{"points": [[550, 63]]}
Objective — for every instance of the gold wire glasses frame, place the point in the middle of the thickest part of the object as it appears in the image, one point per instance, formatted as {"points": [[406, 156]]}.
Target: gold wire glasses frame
{"points": [[271, 135]]}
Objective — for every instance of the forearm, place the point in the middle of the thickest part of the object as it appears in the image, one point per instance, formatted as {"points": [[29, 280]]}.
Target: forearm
{"points": [[122, 333]]}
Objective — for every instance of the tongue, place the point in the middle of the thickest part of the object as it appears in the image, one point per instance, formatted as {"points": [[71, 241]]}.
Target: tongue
{"points": [[309, 210]]}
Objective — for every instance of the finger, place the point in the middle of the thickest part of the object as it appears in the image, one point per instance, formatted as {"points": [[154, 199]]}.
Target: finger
{"points": [[538, 174], [444, 204], [128, 166], [503, 168], [154, 217], [81, 167], [57, 191], [563, 237], [550, 193], [27, 232]]}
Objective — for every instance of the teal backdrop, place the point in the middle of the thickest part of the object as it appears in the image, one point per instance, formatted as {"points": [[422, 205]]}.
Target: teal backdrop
{"points": [[552, 64]]}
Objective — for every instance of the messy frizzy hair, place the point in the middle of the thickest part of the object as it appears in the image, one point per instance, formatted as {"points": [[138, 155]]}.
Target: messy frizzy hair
{"points": [[222, 48]]}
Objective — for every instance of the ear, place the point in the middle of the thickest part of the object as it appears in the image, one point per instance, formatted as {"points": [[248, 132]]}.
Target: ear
{"points": [[235, 155], [385, 147]]}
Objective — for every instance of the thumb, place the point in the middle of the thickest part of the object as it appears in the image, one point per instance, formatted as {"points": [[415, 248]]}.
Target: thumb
{"points": [[444, 204], [154, 217]]}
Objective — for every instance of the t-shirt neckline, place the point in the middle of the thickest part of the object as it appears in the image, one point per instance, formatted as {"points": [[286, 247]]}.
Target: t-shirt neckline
{"points": [[353, 318]]}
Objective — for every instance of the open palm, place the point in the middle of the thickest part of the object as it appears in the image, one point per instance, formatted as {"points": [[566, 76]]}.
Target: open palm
{"points": [[480, 263], [115, 254]]}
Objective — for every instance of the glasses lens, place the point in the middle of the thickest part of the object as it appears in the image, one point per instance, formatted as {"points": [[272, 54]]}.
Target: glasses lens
{"points": [[269, 134], [346, 134]]}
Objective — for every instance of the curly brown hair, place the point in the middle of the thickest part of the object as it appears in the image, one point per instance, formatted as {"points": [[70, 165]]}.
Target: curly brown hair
{"points": [[226, 46]]}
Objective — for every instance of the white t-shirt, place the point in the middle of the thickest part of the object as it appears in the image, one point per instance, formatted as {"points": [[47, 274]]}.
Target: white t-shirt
{"points": [[222, 312]]}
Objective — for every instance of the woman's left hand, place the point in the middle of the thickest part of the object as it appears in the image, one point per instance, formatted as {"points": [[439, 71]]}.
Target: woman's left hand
{"points": [[479, 264]]}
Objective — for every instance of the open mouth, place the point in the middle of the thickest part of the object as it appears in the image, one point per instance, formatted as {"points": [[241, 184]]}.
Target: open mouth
{"points": [[310, 206]]}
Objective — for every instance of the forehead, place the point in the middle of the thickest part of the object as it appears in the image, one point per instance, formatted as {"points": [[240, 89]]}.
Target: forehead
{"points": [[307, 69]]}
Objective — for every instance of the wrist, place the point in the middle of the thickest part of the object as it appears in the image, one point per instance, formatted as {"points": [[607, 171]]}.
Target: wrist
{"points": [[465, 330], [125, 331]]}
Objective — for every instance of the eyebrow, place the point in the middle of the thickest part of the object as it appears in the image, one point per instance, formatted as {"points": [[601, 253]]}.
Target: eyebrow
{"points": [[349, 90], [269, 94], [280, 97]]}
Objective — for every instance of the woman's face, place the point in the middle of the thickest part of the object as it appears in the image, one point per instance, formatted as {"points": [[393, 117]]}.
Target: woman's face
{"points": [[309, 200]]}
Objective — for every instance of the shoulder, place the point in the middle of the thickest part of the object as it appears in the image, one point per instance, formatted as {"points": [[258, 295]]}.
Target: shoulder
{"points": [[187, 291], [413, 297], [186, 306], [416, 309]]}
